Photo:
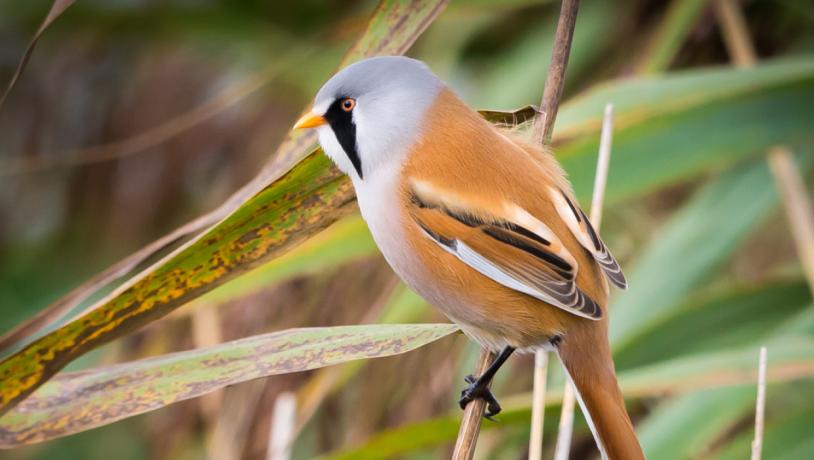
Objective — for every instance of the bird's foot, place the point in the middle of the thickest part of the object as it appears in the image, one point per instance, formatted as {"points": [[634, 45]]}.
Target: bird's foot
{"points": [[479, 390]]}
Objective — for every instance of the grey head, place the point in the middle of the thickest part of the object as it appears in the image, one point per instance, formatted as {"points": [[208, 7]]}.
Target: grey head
{"points": [[374, 111]]}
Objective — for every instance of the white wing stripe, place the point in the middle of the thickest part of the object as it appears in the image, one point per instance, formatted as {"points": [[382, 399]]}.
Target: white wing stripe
{"points": [[491, 270]]}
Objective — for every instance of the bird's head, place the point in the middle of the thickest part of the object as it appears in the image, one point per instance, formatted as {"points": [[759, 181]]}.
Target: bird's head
{"points": [[370, 113]]}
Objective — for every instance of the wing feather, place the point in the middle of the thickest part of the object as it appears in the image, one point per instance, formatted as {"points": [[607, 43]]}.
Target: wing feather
{"points": [[581, 227], [524, 256]]}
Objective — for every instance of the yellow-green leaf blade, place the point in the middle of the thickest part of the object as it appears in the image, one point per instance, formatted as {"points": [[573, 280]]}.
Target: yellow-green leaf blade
{"points": [[77, 401], [279, 217]]}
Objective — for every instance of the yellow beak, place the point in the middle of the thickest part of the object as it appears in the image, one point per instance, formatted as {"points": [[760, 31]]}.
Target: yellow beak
{"points": [[310, 120]]}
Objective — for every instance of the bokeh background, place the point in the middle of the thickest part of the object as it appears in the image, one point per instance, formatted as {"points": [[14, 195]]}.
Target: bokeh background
{"points": [[134, 116]]}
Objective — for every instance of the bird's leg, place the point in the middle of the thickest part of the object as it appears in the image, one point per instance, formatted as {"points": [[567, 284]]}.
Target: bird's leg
{"points": [[479, 388]]}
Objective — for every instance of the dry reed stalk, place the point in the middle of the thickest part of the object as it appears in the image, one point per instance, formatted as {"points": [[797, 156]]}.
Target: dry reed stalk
{"points": [[231, 430], [565, 430], [470, 423], [283, 427], [760, 407], [566, 427], [542, 131], [207, 331], [538, 400]]}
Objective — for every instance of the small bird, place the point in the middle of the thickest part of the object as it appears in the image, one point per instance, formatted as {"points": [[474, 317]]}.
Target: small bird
{"points": [[482, 224]]}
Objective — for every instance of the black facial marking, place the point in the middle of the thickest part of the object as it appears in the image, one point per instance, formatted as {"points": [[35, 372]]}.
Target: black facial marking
{"points": [[341, 123]]}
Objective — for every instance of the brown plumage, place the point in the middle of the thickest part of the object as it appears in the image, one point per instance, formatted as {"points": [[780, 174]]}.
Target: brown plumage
{"points": [[488, 167], [483, 225]]}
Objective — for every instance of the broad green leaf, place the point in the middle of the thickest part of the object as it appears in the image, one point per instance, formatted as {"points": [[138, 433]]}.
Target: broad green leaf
{"points": [[638, 99], [347, 240], [687, 425], [692, 425], [675, 127], [282, 214], [787, 431], [691, 246], [718, 321], [77, 401], [790, 359]]}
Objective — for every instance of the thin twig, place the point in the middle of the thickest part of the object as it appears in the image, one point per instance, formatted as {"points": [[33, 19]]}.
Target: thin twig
{"points": [[566, 427], [543, 128], [760, 407], [787, 178], [470, 423]]}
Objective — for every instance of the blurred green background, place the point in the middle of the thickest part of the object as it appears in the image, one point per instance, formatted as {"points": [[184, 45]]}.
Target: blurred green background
{"points": [[111, 139]]}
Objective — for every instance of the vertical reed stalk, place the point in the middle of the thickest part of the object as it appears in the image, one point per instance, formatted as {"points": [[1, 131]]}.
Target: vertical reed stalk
{"points": [[760, 407], [470, 423], [566, 427], [283, 427], [542, 131]]}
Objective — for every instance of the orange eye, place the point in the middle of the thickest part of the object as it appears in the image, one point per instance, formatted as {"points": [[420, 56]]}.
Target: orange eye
{"points": [[348, 104]]}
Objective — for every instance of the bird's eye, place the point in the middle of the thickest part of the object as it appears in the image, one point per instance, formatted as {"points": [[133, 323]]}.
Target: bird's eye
{"points": [[348, 104]]}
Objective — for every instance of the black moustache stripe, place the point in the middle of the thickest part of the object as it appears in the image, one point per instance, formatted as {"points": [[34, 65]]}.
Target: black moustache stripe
{"points": [[344, 129]]}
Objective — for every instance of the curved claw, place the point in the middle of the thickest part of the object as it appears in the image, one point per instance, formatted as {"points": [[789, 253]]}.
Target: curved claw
{"points": [[479, 390]]}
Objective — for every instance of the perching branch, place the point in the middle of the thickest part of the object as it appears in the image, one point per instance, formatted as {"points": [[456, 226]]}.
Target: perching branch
{"points": [[543, 124], [470, 423], [543, 129]]}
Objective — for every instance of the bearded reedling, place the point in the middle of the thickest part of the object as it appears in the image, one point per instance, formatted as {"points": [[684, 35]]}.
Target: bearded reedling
{"points": [[482, 225]]}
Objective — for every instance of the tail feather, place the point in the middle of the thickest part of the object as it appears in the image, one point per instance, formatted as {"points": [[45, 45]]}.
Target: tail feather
{"points": [[593, 375]]}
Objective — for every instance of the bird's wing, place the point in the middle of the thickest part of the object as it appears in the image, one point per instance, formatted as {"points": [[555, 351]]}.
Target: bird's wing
{"points": [[573, 216], [584, 232], [506, 244]]}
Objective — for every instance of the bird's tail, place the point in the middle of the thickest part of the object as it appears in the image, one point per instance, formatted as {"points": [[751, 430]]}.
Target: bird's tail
{"points": [[592, 371]]}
